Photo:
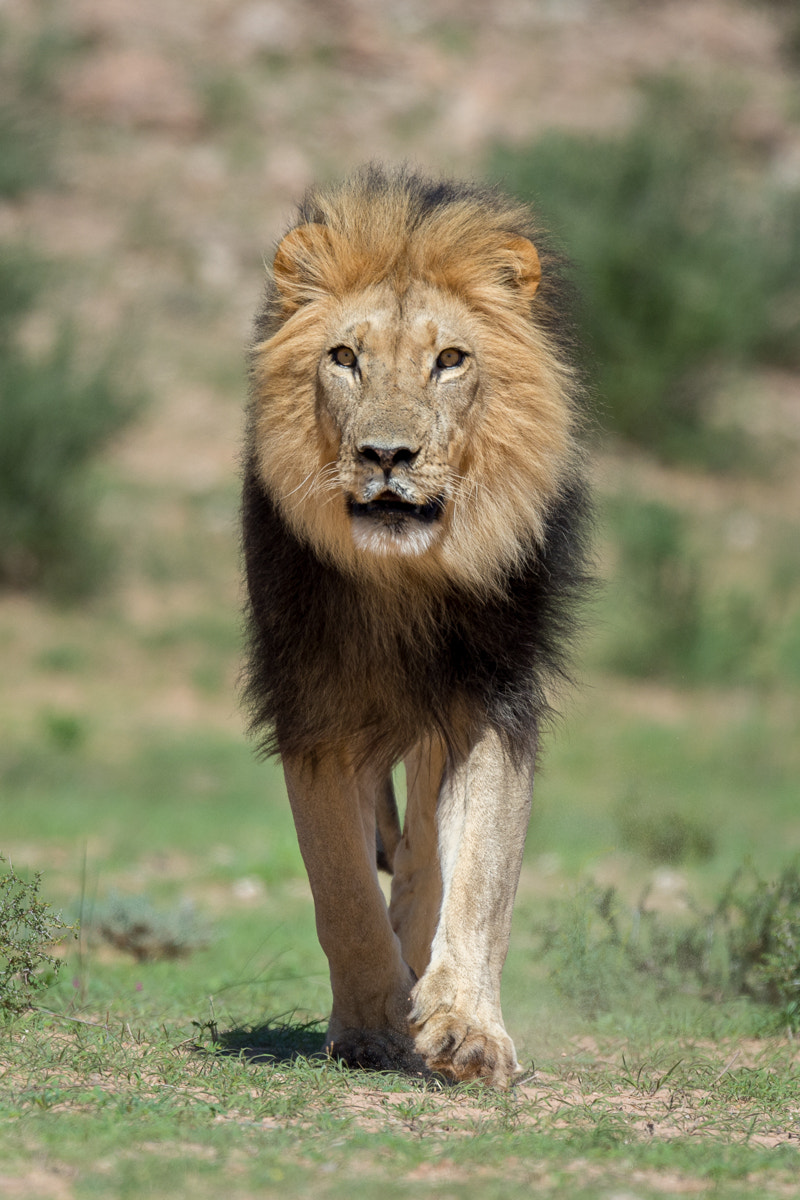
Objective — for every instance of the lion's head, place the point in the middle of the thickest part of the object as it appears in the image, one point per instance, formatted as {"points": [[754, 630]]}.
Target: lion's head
{"points": [[411, 410]]}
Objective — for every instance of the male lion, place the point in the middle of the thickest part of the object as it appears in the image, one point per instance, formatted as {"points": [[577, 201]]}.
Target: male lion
{"points": [[413, 517]]}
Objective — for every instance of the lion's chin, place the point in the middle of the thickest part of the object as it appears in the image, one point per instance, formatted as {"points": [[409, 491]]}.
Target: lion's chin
{"points": [[395, 528]]}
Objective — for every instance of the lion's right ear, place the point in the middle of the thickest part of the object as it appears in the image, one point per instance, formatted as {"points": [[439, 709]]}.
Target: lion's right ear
{"points": [[525, 265], [300, 262]]}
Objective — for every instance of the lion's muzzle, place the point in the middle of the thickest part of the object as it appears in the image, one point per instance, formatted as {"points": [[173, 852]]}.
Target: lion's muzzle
{"points": [[390, 524]]}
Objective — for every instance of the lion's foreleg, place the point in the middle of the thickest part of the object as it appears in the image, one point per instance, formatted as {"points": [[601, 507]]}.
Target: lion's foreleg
{"points": [[334, 814], [483, 812]]}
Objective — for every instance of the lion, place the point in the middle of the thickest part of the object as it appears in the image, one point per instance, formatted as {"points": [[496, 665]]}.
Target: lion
{"points": [[414, 530]]}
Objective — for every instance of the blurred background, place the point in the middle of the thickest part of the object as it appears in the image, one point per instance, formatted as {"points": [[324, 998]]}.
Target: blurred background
{"points": [[150, 156]]}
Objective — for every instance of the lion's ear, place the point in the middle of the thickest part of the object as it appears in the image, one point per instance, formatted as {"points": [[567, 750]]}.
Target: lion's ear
{"points": [[297, 262], [525, 264]]}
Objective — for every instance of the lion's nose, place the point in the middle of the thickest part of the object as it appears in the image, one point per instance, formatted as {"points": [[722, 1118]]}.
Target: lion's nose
{"points": [[387, 457]]}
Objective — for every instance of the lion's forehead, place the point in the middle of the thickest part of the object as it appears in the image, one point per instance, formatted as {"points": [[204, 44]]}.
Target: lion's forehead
{"points": [[388, 325]]}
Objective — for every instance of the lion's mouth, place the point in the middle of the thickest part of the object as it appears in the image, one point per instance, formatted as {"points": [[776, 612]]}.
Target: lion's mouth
{"points": [[390, 509]]}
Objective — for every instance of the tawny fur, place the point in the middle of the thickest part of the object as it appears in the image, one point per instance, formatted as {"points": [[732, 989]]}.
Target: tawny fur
{"points": [[434, 631]]}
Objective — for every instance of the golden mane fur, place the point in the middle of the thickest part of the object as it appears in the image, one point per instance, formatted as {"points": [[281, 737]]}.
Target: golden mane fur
{"points": [[374, 233]]}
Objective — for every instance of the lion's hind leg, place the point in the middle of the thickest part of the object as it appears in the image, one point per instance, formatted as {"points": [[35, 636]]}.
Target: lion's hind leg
{"points": [[387, 826], [417, 882]]}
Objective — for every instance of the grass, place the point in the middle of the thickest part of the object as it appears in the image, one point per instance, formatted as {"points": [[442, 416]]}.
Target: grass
{"points": [[203, 1072], [161, 1118]]}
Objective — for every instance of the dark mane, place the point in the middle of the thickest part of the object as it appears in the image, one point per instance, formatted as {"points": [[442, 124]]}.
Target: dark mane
{"points": [[329, 667]]}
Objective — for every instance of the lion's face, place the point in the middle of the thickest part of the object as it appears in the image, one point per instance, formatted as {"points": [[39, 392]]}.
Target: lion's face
{"points": [[397, 386], [414, 417]]}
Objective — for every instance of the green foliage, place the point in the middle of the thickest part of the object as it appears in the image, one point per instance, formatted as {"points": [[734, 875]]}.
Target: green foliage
{"points": [[748, 945], [28, 929], [57, 415], [135, 926], [673, 619], [686, 269], [588, 960], [663, 835], [762, 926], [57, 412], [29, 114]]}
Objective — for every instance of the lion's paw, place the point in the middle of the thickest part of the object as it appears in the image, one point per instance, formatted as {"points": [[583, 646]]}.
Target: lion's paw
{"points": [[453, 1046], [375, 1050], [459, 1042]]}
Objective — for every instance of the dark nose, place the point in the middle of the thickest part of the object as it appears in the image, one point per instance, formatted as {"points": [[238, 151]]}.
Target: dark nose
{"points": [[387, 457]]}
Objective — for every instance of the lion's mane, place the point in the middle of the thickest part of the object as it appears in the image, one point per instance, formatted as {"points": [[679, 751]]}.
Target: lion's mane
{"points": [[375, 653]]}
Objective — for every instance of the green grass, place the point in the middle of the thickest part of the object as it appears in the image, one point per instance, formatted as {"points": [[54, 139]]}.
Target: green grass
{"points": [[120, 1110], [202, 1073]]}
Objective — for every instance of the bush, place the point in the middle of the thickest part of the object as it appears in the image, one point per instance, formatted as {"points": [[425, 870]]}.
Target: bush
{"points": [[57, 414], [133, 925], [56, 418], [748, 945], [28, 929], [663, 835], [685, 271], [671, 619]]}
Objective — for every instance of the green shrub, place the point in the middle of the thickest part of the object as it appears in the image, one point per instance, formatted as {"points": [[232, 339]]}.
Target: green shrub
{"points": [[761, 923], [56, 418], [29, 109], [748, 945], [589, 964], [28, 929], [671, 619], [686, 271], [57, 413], [135, 926], [663, 835]]}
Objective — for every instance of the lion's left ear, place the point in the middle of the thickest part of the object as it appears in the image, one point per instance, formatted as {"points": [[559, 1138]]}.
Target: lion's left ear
{"points": [[298, 266], [525, 264]]}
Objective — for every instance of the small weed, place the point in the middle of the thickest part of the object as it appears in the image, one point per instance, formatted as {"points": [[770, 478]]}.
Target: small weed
{"points": [[225, 99], [28, 929], [133, 925], [64, 731]]}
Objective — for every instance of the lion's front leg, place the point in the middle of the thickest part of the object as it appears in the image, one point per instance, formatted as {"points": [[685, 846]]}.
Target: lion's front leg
{"points": [[483, 812], [334, 814]]}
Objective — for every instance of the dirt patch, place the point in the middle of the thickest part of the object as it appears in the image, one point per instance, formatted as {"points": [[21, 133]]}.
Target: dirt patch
{"points": [[54, 1183]]}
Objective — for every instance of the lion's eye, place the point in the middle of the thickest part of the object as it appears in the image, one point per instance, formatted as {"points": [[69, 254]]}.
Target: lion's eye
{"points": [[344, 356], [450, 358]]}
